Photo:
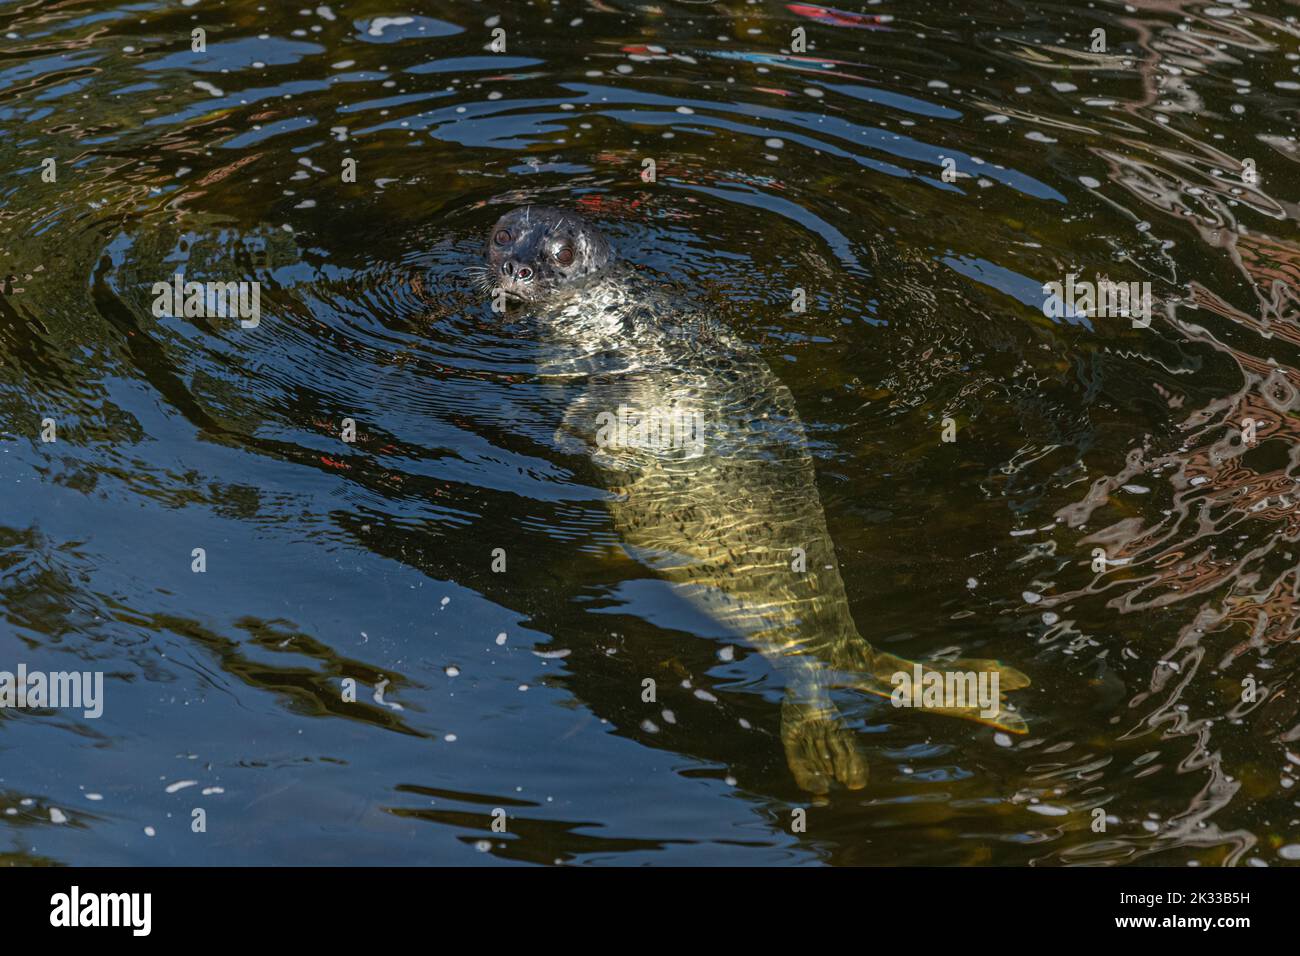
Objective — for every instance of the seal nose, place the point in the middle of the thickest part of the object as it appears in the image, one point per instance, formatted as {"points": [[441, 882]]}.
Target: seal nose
{"points": [[513, 269]]}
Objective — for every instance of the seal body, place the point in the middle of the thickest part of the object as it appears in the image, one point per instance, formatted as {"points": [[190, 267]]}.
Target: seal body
{"points": [[713, 488]]}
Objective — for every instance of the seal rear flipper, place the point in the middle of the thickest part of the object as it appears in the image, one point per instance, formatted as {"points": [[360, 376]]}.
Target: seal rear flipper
{"points": [[960, 688], [819, 748]]}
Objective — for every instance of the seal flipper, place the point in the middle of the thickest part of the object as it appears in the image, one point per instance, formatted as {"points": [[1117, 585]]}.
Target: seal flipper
{"points": [[575, 436], [878, 677], [819, 748], [586, 430]]}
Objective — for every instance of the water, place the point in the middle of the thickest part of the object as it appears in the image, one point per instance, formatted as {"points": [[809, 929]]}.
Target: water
{"points": [[518, 694]]}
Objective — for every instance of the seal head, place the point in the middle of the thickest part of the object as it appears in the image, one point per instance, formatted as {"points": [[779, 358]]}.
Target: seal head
{"points": [[536, 251]]}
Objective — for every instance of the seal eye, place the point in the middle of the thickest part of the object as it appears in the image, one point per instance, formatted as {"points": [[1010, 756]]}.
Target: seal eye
{"points": [[502, 237], [564, 255]]}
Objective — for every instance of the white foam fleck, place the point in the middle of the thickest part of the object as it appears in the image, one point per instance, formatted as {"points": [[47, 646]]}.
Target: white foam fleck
{"points": [[379, 24]]}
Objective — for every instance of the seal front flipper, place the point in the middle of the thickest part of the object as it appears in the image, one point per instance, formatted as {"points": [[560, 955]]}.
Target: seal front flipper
{"points": [[578, 433], [573, 437], [591, 427]]}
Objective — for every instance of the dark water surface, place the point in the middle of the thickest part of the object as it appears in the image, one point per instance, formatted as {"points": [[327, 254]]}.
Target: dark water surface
{"points": [[774, 171]]}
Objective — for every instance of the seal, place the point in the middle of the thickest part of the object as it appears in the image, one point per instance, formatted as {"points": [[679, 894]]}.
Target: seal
{"points": [[711, 483]]}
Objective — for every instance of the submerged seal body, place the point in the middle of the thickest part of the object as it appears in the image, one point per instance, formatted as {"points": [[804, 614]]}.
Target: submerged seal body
{"points": [[712, 483]]}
